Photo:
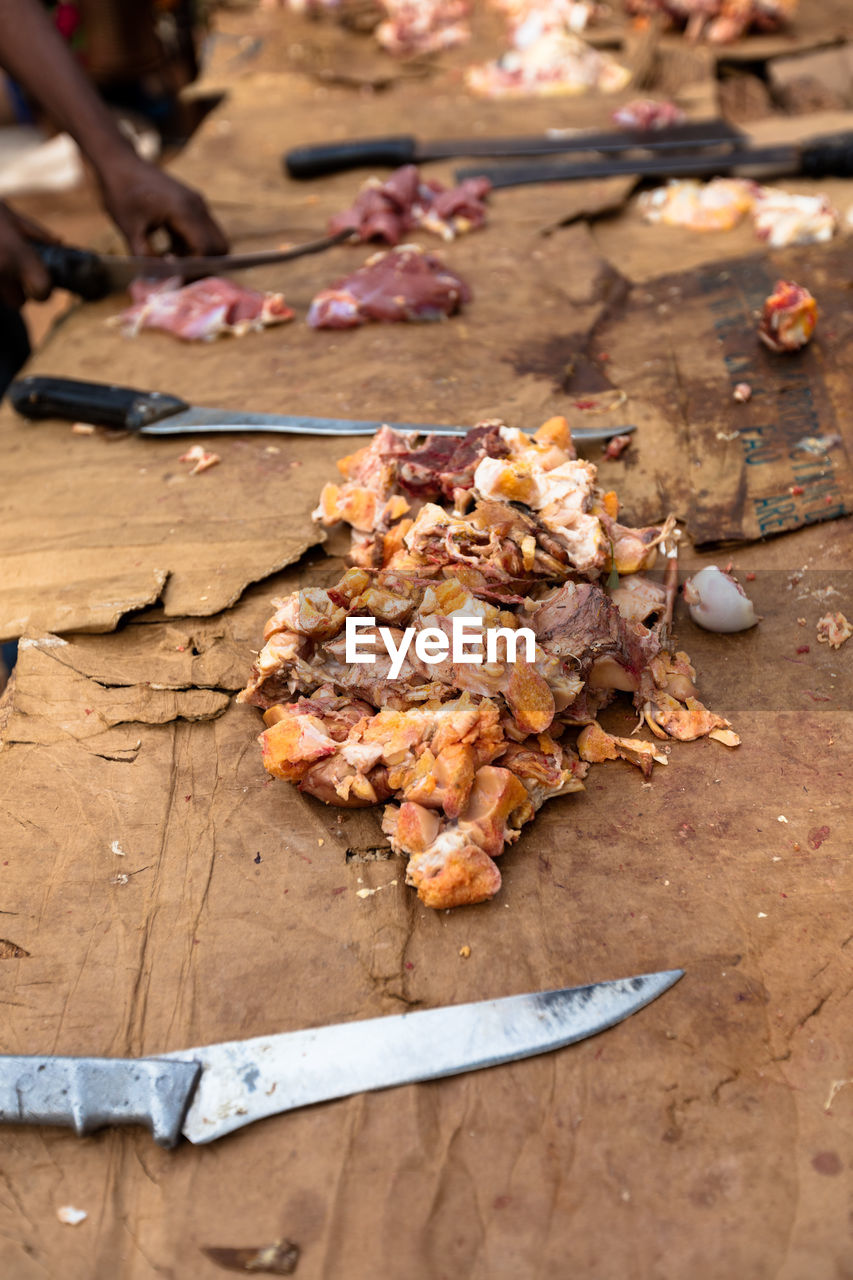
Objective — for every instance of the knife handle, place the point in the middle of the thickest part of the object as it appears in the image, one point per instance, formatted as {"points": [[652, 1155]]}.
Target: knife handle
{"points": [[77, 270], [335, 157], [828, 157], [98, 402], [87, 1093]]}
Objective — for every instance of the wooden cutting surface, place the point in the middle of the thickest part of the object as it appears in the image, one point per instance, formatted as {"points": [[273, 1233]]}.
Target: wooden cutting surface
{"points": [[160, 890]]}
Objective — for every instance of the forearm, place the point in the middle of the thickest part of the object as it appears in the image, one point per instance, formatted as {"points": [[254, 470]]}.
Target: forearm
{"points": [[34, 54]]}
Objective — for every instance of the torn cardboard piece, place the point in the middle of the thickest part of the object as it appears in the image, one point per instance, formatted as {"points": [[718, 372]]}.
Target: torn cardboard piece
{"points": [[51, 702], [96, 527]]}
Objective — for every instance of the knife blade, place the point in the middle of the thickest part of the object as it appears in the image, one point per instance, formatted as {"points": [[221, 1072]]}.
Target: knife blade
{"points": [[205, 1093], [93, 276], [830, 156], [158, 414], [320, 159]]}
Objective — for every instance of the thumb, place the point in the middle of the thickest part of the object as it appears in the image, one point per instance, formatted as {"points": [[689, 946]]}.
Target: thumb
{"points": [[35, 276]]}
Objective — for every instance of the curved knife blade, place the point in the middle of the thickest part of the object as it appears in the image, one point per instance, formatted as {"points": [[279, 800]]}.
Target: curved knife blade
{"points": [[246, 1080]]}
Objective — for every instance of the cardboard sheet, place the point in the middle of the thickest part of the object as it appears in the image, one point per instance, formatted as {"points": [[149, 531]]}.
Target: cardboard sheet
{"points": [[160, 890]]}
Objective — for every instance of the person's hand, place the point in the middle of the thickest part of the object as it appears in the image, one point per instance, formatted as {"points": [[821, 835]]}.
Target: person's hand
{"points": [[142, 200], [22, 273]]}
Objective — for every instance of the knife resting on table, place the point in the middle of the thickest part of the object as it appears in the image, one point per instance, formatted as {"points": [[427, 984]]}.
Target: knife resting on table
{"points": [[156, 413]]}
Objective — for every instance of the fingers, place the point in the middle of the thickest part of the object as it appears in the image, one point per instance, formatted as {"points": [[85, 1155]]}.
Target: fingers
{"points": [[22, 273], [193, 228], [143, 200], [33, 230], [35, 277]]}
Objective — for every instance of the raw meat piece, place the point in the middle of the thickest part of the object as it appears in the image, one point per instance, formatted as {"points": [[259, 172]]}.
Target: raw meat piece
{"points": [[779, 217], [201, 458], [200, 311], [405, 283], [722, 21], [423, 26], [529, 20], [616, 447], [647, 113], [717, 205], [782, 219], [557, 62], [594, 746], [789, 317], [834, 629], [389, 210]]}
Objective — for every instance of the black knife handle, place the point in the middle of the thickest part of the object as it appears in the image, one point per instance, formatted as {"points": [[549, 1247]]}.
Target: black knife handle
{"points": [[98, 402], [77, 270], [828, 157], [358, 153]]}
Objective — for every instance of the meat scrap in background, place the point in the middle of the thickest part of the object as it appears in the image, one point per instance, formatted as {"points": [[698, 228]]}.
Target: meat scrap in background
{"points": [[616, 447], [834, 629], [789, 317], [557, 62], [415, 27], [405, 283], [779, 217], [512, 530], [782, 219], [201, 311], [647, 113], [720, 21], [403, 28], [717, 205], [390, 210], [201, 458]]}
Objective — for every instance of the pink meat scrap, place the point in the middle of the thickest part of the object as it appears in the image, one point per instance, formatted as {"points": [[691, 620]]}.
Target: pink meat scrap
{"points": [[718, 21], [390, 210], [648, 113], [405, 283], [200, 311], [415, 27]]}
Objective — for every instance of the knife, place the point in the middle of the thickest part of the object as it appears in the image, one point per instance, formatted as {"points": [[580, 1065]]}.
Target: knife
{"points": [[333, 157], [155, 413], [830, 156], [93, 276], [207, 1092]]}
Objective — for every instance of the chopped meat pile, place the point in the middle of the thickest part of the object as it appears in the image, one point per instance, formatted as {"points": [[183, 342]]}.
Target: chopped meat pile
{"points": [[719, 21], [200, 311], [512, 534], [789, 317], [405, 283], [554, 62], [390, 210]]}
